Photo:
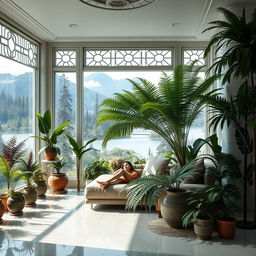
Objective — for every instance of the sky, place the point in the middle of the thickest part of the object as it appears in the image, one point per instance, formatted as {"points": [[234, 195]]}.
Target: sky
{"points": [[16, 69]]}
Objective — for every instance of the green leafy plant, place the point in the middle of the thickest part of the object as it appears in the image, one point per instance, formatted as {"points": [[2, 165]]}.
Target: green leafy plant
{"points": [[95, 169], [39, 175], [148, 189], [199, 206], [11, 174], [58, 164], [168, 109], [50, 138], [12, 151], [28, 168], [79, 151], [237, 35], [13, 193]]}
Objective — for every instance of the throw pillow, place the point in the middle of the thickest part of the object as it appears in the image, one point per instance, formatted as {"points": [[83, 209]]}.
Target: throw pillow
{"points": [[155, 165]]}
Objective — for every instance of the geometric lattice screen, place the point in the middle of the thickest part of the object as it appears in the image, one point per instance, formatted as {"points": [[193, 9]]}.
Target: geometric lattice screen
{"points": [[192, 55], [65, 58], [16, 47], [128, 58]]}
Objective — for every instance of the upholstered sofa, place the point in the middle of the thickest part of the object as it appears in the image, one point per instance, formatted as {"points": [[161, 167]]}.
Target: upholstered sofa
{"points": [[116, 194]]}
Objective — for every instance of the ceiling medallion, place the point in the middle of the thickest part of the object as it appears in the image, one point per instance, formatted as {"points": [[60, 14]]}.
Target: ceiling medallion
{"points": [[118, 4]]}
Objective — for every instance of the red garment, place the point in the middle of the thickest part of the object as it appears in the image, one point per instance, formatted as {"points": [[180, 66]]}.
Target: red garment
{"points": [[134, 175]]}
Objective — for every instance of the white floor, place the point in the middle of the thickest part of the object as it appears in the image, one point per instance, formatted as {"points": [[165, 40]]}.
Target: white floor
{"points": [[105, 230]]}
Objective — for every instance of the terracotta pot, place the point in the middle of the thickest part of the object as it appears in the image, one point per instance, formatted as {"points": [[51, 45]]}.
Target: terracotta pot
{"points": [[30, 194], [50, 156], [173, 208], [203, 228], [4, 201], [15, 205], [226, 228], [57, 182], [41, 188], [2, 210]]}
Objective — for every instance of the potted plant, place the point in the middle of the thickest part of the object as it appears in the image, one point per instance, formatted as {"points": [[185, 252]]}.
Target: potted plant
{"points": [[79, 151], [58, 180], [50, 138], [201, 212], [236, 37], [168, 109], [15, 202], [95, 169], [39, 179], [148, 189], [28, 167]]}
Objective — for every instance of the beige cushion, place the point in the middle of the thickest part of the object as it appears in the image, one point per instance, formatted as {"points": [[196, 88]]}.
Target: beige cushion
{"points": [[155, 165], [94, 191]]}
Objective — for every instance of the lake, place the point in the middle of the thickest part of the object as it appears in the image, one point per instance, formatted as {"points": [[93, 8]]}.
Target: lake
{"points": [[140, 141]]}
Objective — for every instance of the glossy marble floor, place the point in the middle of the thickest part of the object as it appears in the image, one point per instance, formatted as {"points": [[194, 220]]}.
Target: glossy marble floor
{"points": [[62, 225]]}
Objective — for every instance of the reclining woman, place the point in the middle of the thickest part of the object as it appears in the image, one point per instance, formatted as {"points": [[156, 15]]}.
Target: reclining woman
{"points": [[124, 175]]}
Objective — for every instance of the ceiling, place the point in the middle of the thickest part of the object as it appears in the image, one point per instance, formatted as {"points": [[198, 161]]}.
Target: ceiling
{"points": [[179, 20]]}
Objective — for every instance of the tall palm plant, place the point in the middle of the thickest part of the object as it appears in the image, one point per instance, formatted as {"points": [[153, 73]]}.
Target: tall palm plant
{"points": [[238, 36], [168, 109]]}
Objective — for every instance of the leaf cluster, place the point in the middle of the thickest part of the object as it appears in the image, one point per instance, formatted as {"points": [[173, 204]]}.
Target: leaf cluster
{"points": [[146, 190], [95, 169]]}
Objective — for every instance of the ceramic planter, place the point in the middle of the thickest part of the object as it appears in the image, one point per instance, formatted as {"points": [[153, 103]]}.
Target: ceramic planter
{"points": [[173, 207], [57, 183], [15, 205], [41, 189], [226, 228], [203, 228], [30, 194]]}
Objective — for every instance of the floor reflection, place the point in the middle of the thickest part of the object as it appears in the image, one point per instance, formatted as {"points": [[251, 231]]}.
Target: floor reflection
{"points": [[25, 248]]}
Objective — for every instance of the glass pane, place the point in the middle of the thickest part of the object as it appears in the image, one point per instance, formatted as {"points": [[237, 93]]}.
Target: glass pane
{"points": [[99, 86], [65, 110], [16, 103]]}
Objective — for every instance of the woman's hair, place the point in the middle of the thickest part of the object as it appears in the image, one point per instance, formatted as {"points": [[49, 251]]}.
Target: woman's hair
{"points": [[130, 164]]}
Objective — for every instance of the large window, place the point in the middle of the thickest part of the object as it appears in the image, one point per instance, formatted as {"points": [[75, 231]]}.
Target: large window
{"points": [[18, 62], [16, 102], [65, 110]]}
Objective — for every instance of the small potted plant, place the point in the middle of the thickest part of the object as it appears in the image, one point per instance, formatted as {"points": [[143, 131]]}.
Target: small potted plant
{"points": [[58, 180], [11, 152], [95, 169], [201, 212], [39, 179], [50, 138], [79, 151], [28, 167], [15, 202]]}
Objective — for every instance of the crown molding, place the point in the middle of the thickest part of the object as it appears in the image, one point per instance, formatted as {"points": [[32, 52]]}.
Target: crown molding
{"points": [[124, 39], [19, 15]]}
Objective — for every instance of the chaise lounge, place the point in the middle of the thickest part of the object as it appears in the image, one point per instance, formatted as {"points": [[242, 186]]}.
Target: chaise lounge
{"points": [[116, 194]]}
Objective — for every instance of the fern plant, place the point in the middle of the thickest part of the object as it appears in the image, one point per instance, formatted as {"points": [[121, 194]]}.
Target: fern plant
{"points": [[168, 109], [28, 168]]}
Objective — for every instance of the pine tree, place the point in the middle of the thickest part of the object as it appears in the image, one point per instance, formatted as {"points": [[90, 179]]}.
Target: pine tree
{"points": [[64, 114]]}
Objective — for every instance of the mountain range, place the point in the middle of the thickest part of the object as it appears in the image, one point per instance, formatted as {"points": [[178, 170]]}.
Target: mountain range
{"points": [[97, 86]]}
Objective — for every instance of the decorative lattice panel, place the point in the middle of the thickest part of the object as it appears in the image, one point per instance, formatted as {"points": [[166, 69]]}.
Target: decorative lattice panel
{"points": [[192, 55], [16, 47], [124, 58], [65, 58]]}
